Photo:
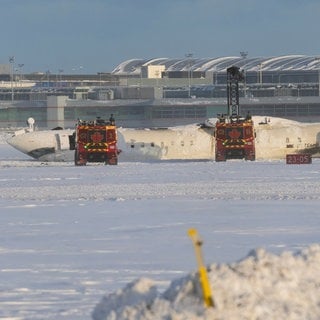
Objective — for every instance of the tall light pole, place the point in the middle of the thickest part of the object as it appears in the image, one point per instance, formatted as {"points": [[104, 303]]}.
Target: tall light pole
{"points": [[244, 54], [20, 65], [11, 61], [261, 65], [48, 78], [317, 59], [60, 77], [189, 57]]}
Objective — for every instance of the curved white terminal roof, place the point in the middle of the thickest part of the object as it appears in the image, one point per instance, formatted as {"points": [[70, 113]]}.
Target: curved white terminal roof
{"points": [[220, 64]]}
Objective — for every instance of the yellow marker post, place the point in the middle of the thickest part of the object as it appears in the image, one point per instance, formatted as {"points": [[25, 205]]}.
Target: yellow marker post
{"points": [[203, 276]]}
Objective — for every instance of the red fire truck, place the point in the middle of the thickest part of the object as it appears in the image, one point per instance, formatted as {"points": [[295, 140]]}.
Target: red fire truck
{"points": [[234, 134], [96, 141]]}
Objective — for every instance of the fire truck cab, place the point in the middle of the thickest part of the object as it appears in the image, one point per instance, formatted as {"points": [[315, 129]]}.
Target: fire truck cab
{"points": [[96, 141]]}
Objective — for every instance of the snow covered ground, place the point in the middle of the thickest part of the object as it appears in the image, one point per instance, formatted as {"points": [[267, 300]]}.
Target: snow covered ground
{"points": [[70, 235]]}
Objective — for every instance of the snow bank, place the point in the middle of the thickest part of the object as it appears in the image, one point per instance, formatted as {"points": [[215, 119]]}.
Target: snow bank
{"points": [[4, 136], [261, 286]]}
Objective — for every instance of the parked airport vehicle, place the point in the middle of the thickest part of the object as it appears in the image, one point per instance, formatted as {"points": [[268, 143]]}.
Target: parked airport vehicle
{"points": [[235, 136], [95, 141]]}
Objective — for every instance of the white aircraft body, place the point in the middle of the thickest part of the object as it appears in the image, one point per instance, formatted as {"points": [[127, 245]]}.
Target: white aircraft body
{"points": [[275, 138]]}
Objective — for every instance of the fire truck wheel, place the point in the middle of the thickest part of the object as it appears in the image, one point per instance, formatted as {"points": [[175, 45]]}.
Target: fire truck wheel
{"points": [[79, 163], [112, 161], [250, 158], [77, 160], [220, 158]]}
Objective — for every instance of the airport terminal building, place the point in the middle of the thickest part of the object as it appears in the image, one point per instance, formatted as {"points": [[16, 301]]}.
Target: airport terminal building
{"points": [[163, 92]]}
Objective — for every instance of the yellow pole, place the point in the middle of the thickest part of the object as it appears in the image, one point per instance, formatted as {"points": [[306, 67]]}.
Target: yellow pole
{"points": [[203, 276]]}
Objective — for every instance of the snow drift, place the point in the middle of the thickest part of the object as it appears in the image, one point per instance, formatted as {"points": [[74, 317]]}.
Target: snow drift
{"points": [[261, 286]]}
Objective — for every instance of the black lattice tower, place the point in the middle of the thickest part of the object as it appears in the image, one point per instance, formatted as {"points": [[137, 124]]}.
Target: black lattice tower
{"points": [[234, 76]]}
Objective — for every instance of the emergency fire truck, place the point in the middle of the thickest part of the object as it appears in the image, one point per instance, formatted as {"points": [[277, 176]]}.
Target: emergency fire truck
{"points": [[234, 134], [96, 141]]}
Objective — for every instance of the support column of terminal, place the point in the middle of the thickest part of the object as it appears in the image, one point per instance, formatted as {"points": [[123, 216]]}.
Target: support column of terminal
{"points": [[55, 111]]}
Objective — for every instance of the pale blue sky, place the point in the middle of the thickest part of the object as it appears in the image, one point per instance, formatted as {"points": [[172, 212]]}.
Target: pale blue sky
{"points": [[96, 35]]}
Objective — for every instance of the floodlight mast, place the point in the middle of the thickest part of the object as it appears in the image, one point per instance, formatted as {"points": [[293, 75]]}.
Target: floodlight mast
{"points": [[234, 76]]}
